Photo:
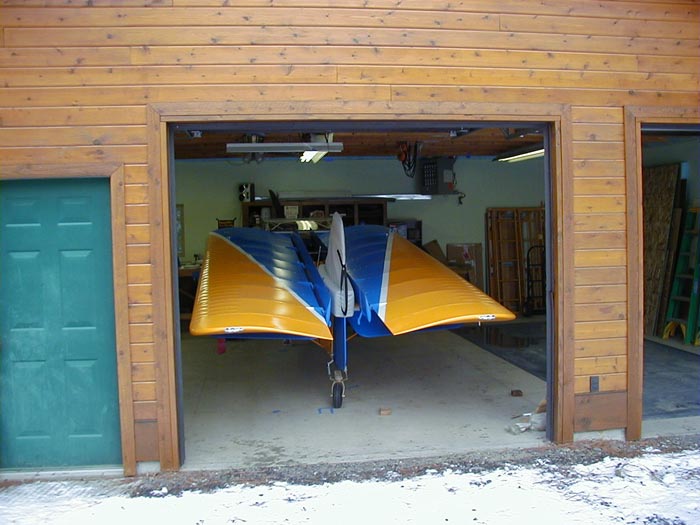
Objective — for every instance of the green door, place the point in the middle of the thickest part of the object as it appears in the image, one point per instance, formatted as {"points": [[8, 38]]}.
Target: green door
{"points": [[58, 379]]}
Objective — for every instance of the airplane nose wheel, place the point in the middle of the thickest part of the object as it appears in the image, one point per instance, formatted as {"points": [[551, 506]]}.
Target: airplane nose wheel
{"points": [[338, 388], [337, 394]]}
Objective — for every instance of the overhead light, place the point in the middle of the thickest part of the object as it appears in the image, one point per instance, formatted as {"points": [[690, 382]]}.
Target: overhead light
{"points": [[317, 153], [520, 155], [312, 156], [398, 196], [284, 147], [312, 151]]}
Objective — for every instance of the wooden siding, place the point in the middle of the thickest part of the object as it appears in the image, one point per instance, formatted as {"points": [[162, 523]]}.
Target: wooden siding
{"points": [[600, 239], [79, 77]]}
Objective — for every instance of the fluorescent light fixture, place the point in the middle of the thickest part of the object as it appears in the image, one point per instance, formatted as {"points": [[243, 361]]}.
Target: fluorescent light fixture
{"points": [[518, 156], [312, 156], [311, 151], [400, 196], [318, 153], [284, 147]]}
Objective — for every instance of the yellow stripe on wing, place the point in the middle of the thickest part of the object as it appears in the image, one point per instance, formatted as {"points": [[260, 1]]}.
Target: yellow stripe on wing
{"points": [[236, 295], [423, 293]]}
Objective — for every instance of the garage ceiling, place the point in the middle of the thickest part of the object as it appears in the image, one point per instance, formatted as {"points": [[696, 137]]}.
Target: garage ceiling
{"points": [[208, 141], [211, 144]]}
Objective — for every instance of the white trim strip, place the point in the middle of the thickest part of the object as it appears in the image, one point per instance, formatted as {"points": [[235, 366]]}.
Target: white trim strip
{"points": [[381, 311]]}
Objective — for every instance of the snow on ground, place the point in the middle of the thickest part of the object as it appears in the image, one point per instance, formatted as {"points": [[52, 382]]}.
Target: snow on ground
{"points": [[652, 489]]}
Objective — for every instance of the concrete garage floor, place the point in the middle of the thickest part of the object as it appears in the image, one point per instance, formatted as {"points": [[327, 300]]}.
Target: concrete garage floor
{"points": [[266, 403]]}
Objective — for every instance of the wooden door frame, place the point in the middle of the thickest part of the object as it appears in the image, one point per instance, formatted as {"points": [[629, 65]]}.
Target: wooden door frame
{"points": [[557, 116], [115, 174], [635, 117]]}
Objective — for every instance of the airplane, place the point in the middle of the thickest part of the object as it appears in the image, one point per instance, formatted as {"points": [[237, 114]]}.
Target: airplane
{"points": [[260, 284]]}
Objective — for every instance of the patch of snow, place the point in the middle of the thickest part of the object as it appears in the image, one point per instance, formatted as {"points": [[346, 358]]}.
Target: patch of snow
{"points": [[653, 489]]}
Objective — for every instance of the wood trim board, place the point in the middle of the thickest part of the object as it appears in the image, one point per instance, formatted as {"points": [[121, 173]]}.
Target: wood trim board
{"points": [[634, 118], [161, 114], [601, 411], [564, 282], [162, 276], [115, 173]]}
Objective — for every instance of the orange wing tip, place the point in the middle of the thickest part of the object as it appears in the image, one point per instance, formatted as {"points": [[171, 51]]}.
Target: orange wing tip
{"points": [[408, 327], [241, 331], [509, 316]]}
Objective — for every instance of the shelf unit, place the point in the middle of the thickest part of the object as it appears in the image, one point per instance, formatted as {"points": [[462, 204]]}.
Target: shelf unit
{"points": [[511, 232], [354, 211]]}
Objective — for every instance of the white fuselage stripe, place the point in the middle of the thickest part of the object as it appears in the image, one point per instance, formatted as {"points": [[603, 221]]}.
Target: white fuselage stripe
{"points": [[385, 277]]}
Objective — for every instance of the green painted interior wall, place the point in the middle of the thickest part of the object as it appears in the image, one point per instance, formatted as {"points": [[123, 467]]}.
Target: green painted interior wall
{"points": [[209, 190]]}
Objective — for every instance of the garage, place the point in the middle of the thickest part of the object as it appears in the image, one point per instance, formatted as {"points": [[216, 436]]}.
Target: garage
{"points": [[253, 403]]}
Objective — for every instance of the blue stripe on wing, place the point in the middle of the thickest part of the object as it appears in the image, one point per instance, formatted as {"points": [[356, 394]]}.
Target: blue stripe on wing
{"points": [[284, 256], [366, 248]]}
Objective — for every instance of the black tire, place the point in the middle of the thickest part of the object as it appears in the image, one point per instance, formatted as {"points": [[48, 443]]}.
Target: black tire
{"points": [[337, 395]]}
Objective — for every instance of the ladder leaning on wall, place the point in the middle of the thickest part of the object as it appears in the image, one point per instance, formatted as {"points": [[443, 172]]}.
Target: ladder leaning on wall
{"points": [[684, 302]]}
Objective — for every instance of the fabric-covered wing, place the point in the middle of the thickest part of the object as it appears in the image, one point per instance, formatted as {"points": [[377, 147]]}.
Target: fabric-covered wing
{"points": [[406, 289], [257, 282]]}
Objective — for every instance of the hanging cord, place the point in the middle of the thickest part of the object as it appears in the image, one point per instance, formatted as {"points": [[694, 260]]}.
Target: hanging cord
{"points": [[343, 282], [408, 155]]}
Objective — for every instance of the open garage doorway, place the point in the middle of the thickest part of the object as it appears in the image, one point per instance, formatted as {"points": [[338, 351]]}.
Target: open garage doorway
{"points": [[671, 205], [248, 403]]}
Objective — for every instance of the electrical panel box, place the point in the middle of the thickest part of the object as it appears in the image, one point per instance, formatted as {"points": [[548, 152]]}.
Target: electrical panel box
{"points": [[436, 175]]}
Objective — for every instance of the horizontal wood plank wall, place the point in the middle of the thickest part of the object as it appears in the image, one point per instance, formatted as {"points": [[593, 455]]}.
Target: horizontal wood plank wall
{"points": [[77, 77], [600, 240]]}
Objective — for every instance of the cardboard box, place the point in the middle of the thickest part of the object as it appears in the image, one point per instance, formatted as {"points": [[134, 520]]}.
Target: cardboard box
{"points": [[467, 260], [463, 253], [433, 248]]}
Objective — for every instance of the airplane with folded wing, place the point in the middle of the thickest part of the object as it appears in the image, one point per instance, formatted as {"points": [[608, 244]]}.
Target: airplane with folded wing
{"points": [[259, 284]]}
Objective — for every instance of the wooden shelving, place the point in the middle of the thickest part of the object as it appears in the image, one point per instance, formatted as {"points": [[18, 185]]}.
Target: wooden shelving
{"points": [[511, 233], [354, 211]]}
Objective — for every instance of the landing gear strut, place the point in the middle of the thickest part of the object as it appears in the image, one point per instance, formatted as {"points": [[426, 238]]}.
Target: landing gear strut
{"points": [[339, 364]]}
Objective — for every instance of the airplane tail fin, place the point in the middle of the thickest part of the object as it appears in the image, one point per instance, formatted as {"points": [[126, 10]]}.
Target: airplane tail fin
{"points": [[334, 271]]}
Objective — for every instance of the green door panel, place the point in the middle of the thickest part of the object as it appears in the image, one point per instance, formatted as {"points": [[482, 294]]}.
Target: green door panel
{"points": [[58, 380]]}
